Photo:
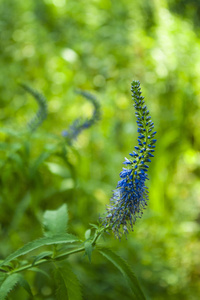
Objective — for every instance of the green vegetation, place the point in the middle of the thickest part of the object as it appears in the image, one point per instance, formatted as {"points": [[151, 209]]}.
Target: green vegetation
{"points": [[55, 47]]}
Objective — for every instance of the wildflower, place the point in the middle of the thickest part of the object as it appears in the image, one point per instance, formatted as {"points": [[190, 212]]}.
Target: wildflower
{"points": [[80, 124], [131, 194], [42, 112]]}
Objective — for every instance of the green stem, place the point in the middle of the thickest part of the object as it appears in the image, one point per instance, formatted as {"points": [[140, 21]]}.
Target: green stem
{"points": [[62, 256], [98, 233], [65, 255], [43, 261]]}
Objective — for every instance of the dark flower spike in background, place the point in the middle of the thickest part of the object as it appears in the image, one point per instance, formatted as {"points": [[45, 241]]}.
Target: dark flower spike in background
{"points": [[80, 124], [42, 112], [131, 195]]}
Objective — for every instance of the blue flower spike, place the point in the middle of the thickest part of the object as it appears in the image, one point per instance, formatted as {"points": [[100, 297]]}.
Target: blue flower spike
{"points": [[80, 124], [131, 195]]}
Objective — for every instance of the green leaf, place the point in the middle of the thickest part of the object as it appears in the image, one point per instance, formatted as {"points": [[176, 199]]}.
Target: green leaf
{"points": [[10, 131], [68, 286], [87, 234], [23, 283], [11, 282], [38, 270], [125, 270], [94, 226], [55, 221], [58, 169], [39, 160], [41, 271], [20, 209], [88, 250], [46, 254], [60, 239], [2, 277], [8, 285]]}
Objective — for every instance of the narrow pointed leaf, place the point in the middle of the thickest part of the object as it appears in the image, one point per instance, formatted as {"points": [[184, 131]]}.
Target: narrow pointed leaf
{"points": [[8, 285], [88, 250], [60, 239], [39, 160], [23, 283], [38, 270], [42, 255], [125, 270], [11, 282], [94, 226]]}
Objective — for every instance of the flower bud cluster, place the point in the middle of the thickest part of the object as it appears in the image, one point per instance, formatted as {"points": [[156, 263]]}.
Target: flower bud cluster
{"points": [[131, 195]]}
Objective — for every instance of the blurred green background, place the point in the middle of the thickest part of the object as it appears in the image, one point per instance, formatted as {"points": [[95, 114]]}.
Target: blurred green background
{"points": [[56, 46]]}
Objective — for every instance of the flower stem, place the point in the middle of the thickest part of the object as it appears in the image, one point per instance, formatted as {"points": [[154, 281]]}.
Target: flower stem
{"points": [[62, 256]]}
